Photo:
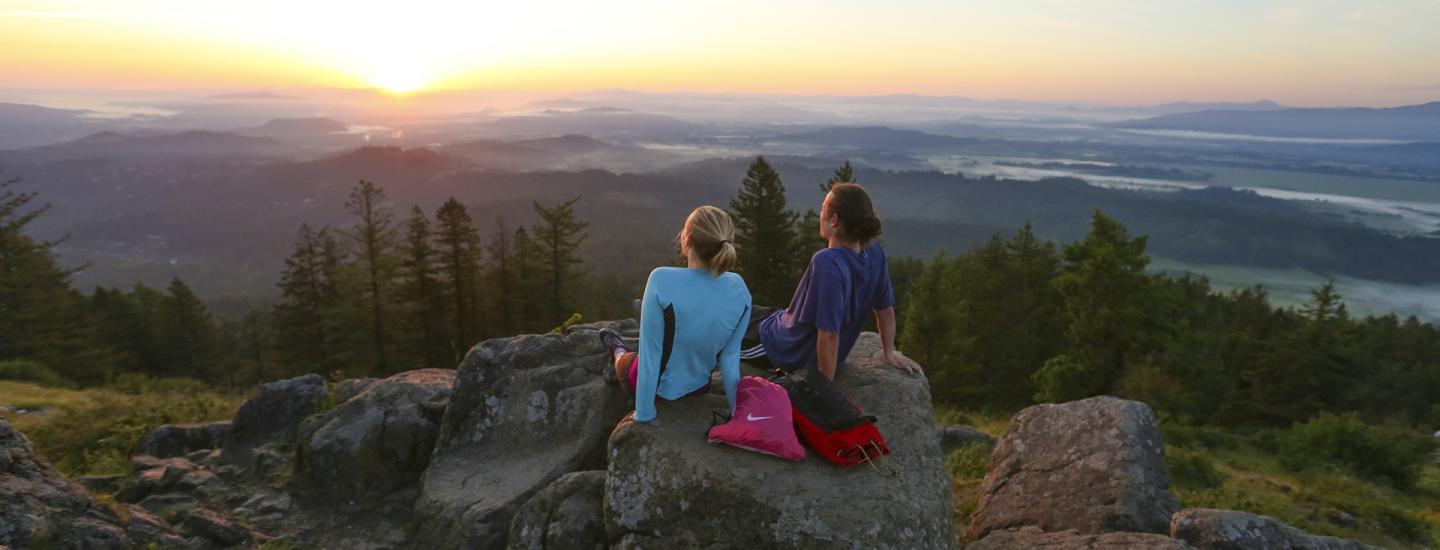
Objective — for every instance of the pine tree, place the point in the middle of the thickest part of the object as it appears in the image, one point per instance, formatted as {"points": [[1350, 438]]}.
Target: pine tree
{"points": [[41, 318], [372, 237], [557, 238], [420, 289], [188, 333], [765, 236], [1107, 313], [930, 334], [502, 276], [844, 174], [306, 335], [529, 288], [454, 238]]}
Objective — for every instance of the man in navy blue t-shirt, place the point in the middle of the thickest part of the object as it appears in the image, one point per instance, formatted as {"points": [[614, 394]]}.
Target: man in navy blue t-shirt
{"points": [[843, 285]]}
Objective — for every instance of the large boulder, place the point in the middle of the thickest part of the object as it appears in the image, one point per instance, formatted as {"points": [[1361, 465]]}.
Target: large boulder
{"points": [[668, 488], [380, 439], [565, 514], [1026, 538], [1095, 466], [274, 412], [1208, 529], [39, 507], [181, 439], [525, 410]]}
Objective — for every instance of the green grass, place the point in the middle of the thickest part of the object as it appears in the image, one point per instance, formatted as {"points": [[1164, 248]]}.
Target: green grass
{"points": [[91, 432], [1255, 481]]}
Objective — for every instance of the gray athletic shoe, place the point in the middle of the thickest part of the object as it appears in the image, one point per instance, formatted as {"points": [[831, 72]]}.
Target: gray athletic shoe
{"points": [[610, 341]]}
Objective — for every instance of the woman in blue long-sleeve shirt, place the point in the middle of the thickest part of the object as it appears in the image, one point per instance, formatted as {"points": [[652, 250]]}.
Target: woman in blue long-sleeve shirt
{"points": [[691, 320]]}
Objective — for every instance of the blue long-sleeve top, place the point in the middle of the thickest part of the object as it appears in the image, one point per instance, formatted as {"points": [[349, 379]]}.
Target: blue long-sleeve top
{"points": [[691, 322]]}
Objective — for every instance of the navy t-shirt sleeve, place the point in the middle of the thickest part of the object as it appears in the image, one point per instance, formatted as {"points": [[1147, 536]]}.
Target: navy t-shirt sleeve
{"points": [[884, 293], [827, 295]]}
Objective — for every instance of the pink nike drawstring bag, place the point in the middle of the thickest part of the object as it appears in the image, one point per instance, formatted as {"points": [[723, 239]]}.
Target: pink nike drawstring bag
{"points": [[762, 421]]}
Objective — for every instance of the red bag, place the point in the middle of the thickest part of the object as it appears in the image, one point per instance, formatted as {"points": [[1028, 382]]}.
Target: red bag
{"points": [[762, 421], [861, 444], [831, 424]]}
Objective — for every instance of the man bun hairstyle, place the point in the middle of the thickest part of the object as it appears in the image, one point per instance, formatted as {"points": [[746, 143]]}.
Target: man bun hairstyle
{"points": [[712, 237], [851, 204]]}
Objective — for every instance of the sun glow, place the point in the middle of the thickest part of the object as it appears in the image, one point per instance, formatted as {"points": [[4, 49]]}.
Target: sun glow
{"points": [[1128, 52], [397, 78]]}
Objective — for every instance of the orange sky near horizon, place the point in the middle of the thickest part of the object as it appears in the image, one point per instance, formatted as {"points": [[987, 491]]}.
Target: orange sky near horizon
{"points": [[1319, 52]]}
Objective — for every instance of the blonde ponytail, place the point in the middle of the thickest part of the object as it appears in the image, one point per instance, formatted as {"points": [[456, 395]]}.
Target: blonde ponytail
{"points": [[712, 237]]}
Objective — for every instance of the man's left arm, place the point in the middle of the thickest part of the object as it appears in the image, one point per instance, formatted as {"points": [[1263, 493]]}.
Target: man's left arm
{"points": [[885, 323]]}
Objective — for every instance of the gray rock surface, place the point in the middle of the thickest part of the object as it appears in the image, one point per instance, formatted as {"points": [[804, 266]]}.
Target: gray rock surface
{"points": [[1032, 537], [145, 528], [39, 507], [181, 439], [955, 436], [153, 475], [565, 514], [525, 411], [378, 440], [668, 488], [274, 412], [343, 390], [1096, 466], [1208, 529], [219, 529]]}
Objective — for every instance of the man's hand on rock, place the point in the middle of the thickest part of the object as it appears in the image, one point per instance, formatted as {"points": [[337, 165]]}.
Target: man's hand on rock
{"points": [[900, 361]]}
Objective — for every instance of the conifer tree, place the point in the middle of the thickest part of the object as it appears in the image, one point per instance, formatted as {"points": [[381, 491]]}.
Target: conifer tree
{"points": [[372, 240], [765, 236], [502, 276], [1107, 313], [305, 333], [528, 288], [188, 333], [41, 318], [930, 334], [454, 242], [420, 290], [557, 238]]}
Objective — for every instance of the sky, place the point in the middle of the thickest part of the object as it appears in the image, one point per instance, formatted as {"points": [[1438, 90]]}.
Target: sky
{"points": [[1124, 52]]}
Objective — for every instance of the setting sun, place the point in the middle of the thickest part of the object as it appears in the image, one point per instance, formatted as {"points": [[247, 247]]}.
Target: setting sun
{"points": [[397, 79]]}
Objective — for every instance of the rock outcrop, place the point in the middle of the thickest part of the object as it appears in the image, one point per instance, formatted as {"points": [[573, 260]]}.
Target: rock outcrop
{"points": [[524, 411], [1208, 529], [668, 488], [377, 441], [1095, 466], [41, 508], [1026, 538], [276, 411], [182, 439], [566, 514], [526, 447]]}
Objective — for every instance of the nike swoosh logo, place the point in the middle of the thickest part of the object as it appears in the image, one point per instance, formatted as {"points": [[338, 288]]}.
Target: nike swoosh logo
{"points": [[753, 418]]}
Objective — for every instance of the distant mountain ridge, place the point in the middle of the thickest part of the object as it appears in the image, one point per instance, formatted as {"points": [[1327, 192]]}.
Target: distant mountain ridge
{"points": [[298, 127], [190, 144], [1407, 123], [872, 137]]}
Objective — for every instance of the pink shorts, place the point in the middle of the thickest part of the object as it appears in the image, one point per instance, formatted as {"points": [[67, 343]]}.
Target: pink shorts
{"points": [[632, 373]]}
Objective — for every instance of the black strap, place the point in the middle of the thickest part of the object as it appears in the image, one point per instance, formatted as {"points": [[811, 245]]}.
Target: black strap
{"points": [[669, 337], [716, 418]]}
